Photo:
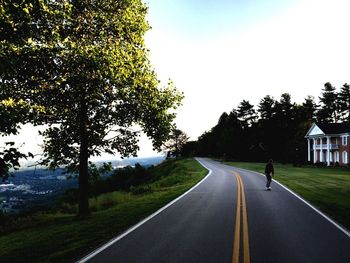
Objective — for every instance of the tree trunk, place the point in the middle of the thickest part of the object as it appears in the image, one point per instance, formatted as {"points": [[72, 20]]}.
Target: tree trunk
{"points": [[83, 163]]}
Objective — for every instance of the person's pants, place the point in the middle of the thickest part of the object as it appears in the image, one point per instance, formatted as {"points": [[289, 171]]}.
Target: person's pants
{"points": [[268, 180]]}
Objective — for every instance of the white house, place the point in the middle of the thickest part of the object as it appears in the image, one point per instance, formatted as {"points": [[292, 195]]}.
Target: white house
{"points": [[329, 143]]}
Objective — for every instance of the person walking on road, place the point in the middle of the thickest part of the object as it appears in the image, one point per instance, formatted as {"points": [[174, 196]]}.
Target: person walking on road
{"points": [[269, 172]]}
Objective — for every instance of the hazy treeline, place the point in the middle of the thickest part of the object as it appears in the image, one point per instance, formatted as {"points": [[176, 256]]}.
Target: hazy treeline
{"points": [[273, 129]]}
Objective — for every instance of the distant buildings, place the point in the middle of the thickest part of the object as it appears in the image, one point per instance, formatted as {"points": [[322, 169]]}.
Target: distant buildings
{"points": [[329, 143]]}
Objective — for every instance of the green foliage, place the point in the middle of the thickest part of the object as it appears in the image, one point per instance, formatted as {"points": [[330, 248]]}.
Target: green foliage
{"points": [[95, 172], [142, 189], [109, 200], [329, 105], [84, 67], [246, 113], [222, 140], [3, 218], [12, 114], [277, 133], [344, 102], [71, 196], [62, 237], [122, 179], [85, 60], [9, 158], [265, 107], [173, 146]]}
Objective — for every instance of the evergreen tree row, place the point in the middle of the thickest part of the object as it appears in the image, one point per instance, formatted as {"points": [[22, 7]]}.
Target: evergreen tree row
{"points": [[274, 129]]}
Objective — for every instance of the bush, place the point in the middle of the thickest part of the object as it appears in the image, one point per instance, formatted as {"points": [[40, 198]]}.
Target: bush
{"points": [[320, 164], [142, 189], [71, 196], [3, 218], [68, 208], [122, 179], [108, 200], [125, 179], [170, 181]]}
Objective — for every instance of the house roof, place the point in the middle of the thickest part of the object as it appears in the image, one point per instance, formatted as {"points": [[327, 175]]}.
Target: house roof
{"points": [[328, 128], [334, 128]]}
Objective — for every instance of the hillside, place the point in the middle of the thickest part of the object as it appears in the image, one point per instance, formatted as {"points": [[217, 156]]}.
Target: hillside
{"points": [[60, 236]]}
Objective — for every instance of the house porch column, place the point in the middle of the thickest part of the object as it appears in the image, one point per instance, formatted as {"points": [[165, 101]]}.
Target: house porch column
{"points": [[328, 150], [321, 150], [314, 146], [308, 150]]}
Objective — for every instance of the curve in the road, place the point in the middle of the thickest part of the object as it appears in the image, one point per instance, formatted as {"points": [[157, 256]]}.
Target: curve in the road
{"points": [[209, 223], [116, 239]]}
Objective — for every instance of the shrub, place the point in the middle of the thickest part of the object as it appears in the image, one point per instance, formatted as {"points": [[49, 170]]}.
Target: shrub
{"points": [[107, 200], [71, 196], [170, 181], [122, 179], [68, 208], [320, 164], [142, 189], [3, 218]]}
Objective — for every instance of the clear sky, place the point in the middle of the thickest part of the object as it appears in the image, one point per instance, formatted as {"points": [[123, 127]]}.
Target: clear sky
{"points": [[219, 52]]}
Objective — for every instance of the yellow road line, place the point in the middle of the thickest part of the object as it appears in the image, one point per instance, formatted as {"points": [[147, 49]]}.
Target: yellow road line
{"points": [[235, 256], [246, 255], [241, 202]]}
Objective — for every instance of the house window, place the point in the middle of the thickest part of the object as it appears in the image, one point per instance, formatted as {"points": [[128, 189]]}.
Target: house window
{"points": [[345, 140], [345, 157]]}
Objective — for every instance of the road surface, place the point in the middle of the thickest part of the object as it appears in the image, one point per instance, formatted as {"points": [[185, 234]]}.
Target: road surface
{"points": [[207, 225]]}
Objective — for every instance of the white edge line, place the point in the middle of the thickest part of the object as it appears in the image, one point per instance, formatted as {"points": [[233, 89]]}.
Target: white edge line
{"points": [[344, 230], [114, 240]]}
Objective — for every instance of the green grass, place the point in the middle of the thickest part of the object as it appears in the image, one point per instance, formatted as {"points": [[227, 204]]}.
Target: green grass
{"points": [[327, 188], [63, 237]]}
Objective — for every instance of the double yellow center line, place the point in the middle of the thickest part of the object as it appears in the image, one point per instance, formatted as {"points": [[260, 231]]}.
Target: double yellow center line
{"points": [[241, 217]]}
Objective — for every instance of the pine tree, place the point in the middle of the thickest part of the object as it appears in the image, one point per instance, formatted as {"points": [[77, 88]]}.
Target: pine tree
{"points": [[329, 106], [309, 109], [344, 102], [173, 146], [246, 113], [266, 108]]}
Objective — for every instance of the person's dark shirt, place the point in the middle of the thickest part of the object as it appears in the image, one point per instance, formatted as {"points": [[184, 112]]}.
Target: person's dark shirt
{"points": [[269, 168]]}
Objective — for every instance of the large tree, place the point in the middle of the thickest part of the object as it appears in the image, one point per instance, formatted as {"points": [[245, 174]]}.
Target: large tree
{"points": [[279, 131], [246, 113], [309, 109], [284, 128], [85, 65], [329, 106], [266, 131], [266, 107], [12, 114], [344, 102], [177, 139]]}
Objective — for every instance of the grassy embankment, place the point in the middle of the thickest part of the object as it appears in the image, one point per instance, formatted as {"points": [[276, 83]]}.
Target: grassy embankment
{"points": [[59, 236], [327, 188]]}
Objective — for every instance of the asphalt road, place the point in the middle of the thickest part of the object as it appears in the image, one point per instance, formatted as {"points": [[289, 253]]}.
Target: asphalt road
{"points": [[206, 225]]}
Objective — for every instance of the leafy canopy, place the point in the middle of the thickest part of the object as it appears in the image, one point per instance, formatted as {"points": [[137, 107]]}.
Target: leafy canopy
{"points": [[84, 64]]}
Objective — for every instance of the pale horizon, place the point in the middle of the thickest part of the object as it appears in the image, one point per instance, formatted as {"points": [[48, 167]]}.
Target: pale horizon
{"points": [[222, 52]]}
